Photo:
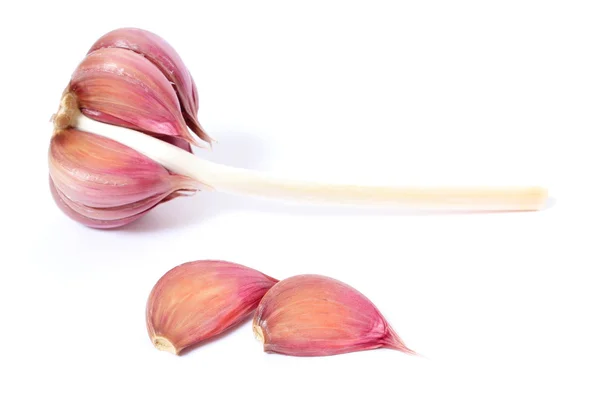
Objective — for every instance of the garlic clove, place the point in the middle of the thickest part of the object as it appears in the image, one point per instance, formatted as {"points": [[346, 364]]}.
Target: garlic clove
{"points": [[104, 184], [314, 315], [167, 60], [123, 88], [201, 299], [65, 206]]}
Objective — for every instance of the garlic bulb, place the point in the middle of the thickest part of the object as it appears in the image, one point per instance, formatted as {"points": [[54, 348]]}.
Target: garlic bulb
{"points": [[98, 181], [133, 88]]}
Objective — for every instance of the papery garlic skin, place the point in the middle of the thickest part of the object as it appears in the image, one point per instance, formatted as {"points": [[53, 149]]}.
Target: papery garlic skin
{"points": [[103, 184], [314, 315], [167, 60], [198, 300]]}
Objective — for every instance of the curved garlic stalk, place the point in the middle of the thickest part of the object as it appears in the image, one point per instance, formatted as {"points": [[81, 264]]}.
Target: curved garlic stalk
{"points": [[247, 182]]}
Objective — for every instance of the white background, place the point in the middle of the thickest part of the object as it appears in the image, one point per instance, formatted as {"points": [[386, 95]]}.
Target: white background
{"points": [[427, 92]]}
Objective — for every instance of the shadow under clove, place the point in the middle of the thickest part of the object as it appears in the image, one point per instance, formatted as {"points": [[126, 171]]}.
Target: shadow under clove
{"points": [[219, 336]]}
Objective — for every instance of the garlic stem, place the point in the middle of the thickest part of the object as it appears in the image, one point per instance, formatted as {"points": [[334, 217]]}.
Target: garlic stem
{"points": [[243, 181]]}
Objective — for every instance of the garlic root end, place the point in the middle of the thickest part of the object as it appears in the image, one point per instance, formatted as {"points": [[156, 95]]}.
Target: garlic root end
{"points": [[67, 113], [258, 333], [163, 344]]}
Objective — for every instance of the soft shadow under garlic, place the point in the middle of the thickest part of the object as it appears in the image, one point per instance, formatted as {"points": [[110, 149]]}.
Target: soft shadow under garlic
{"points": [[241, 326]]}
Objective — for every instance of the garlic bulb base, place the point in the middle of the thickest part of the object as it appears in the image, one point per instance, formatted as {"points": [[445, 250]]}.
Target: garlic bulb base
{"points": [[67, 113], [258, 333], [163, 344]]}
